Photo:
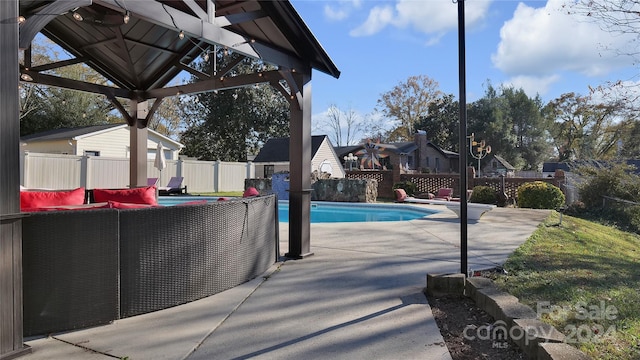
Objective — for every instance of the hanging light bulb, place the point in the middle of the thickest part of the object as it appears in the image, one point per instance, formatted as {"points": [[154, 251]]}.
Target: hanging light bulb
{"points": [[21, 19], [181, 35], [77, 16], [127, 17], [206, 56]]}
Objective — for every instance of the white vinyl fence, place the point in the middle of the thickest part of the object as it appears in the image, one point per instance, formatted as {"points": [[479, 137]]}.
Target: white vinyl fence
{"points": [[54, 171]]}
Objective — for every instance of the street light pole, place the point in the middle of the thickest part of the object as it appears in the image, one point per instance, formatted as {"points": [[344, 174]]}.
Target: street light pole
{"points": [[350, 158], [462, 82]]}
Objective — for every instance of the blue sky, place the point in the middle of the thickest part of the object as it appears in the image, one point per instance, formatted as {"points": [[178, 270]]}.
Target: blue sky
{"points": [[533, 45]]}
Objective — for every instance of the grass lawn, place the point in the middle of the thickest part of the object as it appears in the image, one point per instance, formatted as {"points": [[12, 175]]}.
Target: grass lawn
{"points": [[584, 279]]}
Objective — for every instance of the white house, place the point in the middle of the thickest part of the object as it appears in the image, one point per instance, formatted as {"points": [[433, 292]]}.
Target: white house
{"points": [[274, 157], [110, 140]]}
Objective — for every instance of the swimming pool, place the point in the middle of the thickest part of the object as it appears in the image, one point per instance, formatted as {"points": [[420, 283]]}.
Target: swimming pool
{"points": [[330, 212]]}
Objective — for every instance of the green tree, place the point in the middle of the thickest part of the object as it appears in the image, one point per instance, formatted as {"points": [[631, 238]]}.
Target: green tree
{"points": [[407, 103], [512, 124], [531, 138], [45, 108], [227, 125], [488, 120], [582, 129], [167, 119], [442, 122], [629, 142]]}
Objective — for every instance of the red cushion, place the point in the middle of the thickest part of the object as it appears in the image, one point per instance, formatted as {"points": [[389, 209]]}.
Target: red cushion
{"points": [[444, 193], [143, 195], [121, 205], [400, 195], [38, 199], [194, 202]]}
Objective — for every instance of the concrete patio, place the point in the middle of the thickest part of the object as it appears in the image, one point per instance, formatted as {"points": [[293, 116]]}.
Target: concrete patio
{"points": [[359, 296]]}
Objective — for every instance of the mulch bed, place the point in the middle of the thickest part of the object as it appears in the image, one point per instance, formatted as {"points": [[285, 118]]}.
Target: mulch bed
{"points": [[454, 313]]}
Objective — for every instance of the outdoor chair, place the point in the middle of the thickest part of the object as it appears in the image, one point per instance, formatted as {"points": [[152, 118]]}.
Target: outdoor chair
{"points": [[152, 181], [173, 187], [444, 194]]}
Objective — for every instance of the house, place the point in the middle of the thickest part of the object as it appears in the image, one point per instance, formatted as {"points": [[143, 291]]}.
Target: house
{"points": [[274, 157], [111, 140], [419, 155], [495, 165]]}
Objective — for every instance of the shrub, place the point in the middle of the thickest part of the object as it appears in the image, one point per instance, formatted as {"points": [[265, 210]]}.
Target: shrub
{"points": [[616, 180], [540, 195], [409, 187], [483, 195]]}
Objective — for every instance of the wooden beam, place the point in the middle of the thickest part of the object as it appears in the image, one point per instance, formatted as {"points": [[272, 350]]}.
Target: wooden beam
{"points": [[50, 80], [36, 22], [215, 83]]}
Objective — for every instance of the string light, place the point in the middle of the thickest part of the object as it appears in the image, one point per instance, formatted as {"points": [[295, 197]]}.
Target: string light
{"points": [[26, 77], [206, 56], [181, 35], [21, 19], [77, 16], [127, 17]]}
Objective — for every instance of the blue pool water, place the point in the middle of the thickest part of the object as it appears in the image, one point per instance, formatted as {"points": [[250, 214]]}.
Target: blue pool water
{"points": [[329, 212]]}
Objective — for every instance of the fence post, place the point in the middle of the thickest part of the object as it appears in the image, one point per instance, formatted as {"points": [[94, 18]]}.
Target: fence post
{"points": [[216, 176], [24, 168], [250, 170], [85, 178], [179, 167]]}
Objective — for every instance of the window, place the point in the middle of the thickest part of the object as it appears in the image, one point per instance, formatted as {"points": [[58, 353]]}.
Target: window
{"points": [[437, 164], [91, 153], [427, 161], [268, 171]]}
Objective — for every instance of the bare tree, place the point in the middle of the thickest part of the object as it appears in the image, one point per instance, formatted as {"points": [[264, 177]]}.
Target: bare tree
{"points": [[620, 18], [344, 125]]}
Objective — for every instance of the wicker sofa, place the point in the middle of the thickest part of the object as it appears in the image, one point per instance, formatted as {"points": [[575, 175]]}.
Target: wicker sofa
{"points": [[89, 267]]}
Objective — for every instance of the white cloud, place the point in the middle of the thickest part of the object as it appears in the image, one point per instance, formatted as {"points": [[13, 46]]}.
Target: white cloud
{"points": [[428, 17], [340, 10], [379, 18], [544, 41], [335, 14], [532, 85]]}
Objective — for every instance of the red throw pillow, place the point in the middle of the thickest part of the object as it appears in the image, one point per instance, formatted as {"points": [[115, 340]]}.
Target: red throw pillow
{"points": [[400, 195], [143, 195], [38, 199], [251, 191]]}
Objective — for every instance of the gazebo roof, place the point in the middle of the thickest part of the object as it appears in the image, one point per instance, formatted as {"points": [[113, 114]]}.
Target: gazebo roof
{"points": [[147, 51]]}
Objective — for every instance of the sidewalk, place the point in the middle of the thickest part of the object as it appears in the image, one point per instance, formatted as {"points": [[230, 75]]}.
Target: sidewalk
{"points": [[358, 297]]}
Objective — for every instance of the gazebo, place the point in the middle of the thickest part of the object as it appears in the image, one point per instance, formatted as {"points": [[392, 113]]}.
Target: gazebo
{"points": [[139, 47]]}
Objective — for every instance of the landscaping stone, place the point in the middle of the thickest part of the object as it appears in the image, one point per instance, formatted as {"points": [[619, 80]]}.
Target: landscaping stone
{"points": [[440, 284], [560, 351], [528, 333]]}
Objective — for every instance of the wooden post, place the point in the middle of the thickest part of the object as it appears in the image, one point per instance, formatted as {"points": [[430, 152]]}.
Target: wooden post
{"points": [[300, 175], [11, 328]]}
